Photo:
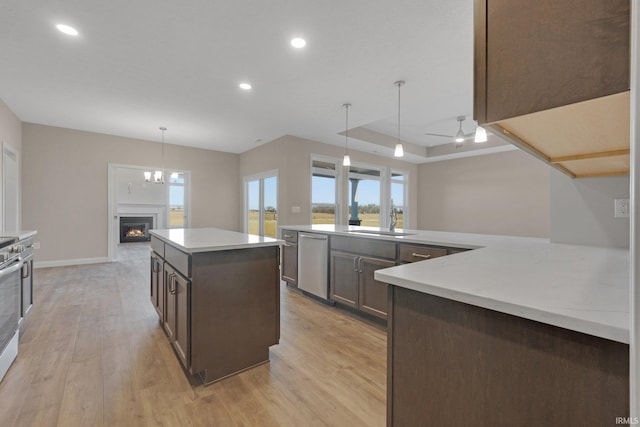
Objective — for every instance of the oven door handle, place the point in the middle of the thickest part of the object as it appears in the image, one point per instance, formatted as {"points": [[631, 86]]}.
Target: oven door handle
{"points": [[17, 265]]}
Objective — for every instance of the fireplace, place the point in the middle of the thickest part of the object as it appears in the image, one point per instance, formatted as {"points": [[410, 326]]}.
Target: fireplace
{"points": [[135, 228]]}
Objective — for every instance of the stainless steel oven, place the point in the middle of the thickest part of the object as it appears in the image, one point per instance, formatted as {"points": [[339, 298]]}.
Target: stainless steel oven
{"points": [[10, 276]]}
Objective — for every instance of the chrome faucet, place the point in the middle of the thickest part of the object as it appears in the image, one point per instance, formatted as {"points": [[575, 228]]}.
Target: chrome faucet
{"points": [[394, 219]]}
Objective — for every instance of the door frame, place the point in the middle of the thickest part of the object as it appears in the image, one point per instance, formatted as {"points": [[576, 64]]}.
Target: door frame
{"points": [[10, 150], [261, 177]]}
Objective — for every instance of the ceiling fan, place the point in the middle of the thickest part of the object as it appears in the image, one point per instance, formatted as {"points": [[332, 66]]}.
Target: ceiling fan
{"points": [[460, 136]]}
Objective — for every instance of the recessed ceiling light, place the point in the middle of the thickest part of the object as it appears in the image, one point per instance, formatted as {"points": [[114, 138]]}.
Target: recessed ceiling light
{"points": [[244, 86], [67, 29], [298, 43]]}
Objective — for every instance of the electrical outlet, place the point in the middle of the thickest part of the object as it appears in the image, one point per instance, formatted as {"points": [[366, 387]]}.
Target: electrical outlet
{"points": [[621, 208], [36, 245]]}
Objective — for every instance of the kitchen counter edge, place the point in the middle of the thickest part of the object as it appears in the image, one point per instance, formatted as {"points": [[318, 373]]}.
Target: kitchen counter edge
{"points": [[196, 240], [580, 288]]}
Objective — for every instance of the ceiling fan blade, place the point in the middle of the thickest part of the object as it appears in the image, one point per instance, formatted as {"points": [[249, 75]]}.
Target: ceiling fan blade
{"points": [[438, 134]]}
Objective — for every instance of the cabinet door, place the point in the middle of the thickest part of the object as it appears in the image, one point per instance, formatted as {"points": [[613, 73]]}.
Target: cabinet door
{"points": [[182, 291], [169, 321], [373, 294], [344, 278], [536, 55], [157, 285], [290, 263]]}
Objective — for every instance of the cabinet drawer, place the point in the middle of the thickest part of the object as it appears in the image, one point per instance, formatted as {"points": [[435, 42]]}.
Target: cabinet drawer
{"points": [[413, 253], [157, 245], [290, 236], [179, 260], [365, 247]]}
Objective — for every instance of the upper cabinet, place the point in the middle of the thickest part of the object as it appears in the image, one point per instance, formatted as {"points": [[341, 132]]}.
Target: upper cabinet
{"points": [[552, 77]]}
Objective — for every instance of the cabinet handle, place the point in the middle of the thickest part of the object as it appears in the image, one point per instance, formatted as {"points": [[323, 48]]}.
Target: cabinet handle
{"points": [[288, 236], [421, 256], [23, 275], [355, 264], [154, 266], [172, 289]]}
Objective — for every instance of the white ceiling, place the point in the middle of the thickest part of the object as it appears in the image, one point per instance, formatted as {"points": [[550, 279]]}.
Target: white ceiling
{"points": [[138, 65]]}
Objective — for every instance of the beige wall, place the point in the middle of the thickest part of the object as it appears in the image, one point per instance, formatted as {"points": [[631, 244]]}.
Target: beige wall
{"points": [[291, 157], [64, 186], [505, 193], [582, 210]]}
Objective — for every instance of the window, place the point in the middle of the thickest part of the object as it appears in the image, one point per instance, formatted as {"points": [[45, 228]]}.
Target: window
{"points": [[364, 196], [261, 204], [324, 179], [177, 212], [371, 191]]}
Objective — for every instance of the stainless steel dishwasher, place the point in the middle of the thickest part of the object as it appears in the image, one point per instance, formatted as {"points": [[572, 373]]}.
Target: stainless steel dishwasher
{"points": [[313, 267]]}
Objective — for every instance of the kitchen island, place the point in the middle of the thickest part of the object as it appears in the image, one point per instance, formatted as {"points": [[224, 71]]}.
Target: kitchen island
{"points": [[217, 294], [515, 332]]}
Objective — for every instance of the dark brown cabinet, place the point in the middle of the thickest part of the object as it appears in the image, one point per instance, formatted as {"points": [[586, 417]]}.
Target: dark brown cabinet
{"points": [[496, 369], [353, 284], [353, 263], [372, 293], [413, 253], [177, 290], [290, 257], [219, 309], [157, 284], [553, 78], [532, 56], [344, 278]]}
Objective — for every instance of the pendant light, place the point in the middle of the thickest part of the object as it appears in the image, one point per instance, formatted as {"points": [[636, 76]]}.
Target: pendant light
{"points": [[158, 175], [347, 160], [399, 151], [459, 138]]}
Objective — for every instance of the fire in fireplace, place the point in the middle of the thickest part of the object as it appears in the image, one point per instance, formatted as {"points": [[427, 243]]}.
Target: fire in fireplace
{"points": [[135, 229]]}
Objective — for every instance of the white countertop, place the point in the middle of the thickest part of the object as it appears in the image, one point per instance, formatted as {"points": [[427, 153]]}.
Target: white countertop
{"points": [[21, 234], [193, 240], [581, 288]]}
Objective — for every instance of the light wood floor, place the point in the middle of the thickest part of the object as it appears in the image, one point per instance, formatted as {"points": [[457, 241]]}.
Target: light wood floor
{"points": [[92, 353]]}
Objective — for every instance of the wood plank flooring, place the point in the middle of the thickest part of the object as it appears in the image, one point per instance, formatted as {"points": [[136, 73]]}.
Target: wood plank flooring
{"points": [[92, 353]]}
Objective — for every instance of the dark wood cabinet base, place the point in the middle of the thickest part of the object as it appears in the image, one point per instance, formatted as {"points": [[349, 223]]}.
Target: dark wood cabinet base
{"points": [[451, 364]]}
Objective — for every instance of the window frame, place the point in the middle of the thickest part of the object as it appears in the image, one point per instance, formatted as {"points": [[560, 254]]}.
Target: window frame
{"points": [[187, 196], [337, 182], [342, 189], [260, 177]]}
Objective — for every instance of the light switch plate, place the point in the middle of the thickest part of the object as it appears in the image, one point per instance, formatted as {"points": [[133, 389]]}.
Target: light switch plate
{"points": [[295, 209], [621, 208]]}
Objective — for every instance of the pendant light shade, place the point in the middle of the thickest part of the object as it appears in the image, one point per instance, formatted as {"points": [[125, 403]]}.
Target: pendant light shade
{"points": [[147, 176], [481, 135], [346, 161], [399, 151]]}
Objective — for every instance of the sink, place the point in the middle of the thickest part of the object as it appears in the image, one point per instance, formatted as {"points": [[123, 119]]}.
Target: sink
{"points": [[382, 233]]}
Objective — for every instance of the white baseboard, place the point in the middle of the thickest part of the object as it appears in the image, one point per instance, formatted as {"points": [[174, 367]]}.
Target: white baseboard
{"points": [[69, 262]]}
